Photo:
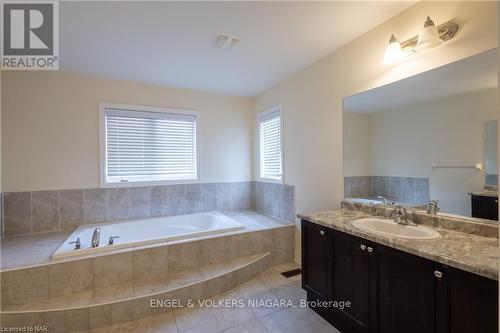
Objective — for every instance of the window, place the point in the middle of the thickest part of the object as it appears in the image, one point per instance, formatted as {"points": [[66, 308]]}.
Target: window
{"points": [[270, 143], [143, 144]]}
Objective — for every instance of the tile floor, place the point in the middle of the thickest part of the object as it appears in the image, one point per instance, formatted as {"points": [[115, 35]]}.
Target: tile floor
{"points": [[269, 286]]}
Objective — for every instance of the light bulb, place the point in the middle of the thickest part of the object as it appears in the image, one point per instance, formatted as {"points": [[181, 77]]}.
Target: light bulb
{"points": [[393, 52], [429, 35]]}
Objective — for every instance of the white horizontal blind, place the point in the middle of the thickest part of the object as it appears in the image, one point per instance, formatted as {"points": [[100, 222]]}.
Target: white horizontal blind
{"points": [[270, 145], [149, 146]]}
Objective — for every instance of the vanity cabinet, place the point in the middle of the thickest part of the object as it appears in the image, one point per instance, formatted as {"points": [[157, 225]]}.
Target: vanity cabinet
{"points": [[392, 291], [465, 302], [484, 207], [351, 281], [316, 265]]}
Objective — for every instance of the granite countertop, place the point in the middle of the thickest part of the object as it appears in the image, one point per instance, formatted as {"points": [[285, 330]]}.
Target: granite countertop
{"points": [[472, 253], [486, 194]]}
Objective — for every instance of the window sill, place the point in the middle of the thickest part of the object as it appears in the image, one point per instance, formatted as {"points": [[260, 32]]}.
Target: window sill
{"points": [[150, 183]]}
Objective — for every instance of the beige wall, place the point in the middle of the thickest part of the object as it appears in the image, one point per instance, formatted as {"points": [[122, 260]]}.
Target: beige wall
{"points": [[50, 128], [312, 99], [358, 143]]}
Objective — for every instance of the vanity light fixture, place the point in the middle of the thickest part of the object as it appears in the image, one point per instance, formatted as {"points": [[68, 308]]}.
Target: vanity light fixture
{"points": [[430, 36]]}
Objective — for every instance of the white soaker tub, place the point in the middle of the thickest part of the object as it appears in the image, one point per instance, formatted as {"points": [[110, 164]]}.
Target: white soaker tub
{"points": [[146, 231]]}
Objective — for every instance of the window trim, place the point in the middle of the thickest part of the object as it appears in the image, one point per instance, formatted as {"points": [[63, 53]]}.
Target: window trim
{"points": [[142, 108], [279, 109]]}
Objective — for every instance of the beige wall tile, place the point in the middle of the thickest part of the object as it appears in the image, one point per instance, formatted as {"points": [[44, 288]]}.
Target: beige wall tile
{"points": [[17, 213], [100, 316], [77, 320], [214, 250], [25, 285], [45, 211], [151, 263], [56, 321], [113, 269], [122, 312], [184, 256], [71, 204], [284, 239], [70, 278]]}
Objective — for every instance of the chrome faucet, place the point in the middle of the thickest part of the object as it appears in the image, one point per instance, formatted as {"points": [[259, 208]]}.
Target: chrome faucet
{"points": [[95, 237], [77, 243], [400, 216], [433, 207], [386, 201]]}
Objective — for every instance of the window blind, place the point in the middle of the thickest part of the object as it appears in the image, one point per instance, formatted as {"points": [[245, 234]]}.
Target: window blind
{"points": [[270, 145], [149, 146]]}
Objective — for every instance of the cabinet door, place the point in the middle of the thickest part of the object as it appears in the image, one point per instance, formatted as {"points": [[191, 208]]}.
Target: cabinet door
{"points": [[316, 260], [406, 296], [484, 207], [351, 282], [465, 302]]}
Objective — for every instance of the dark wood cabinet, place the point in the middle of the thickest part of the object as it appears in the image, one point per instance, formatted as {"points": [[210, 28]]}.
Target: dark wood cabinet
{"points": [[392, 291], [316, 266], [406, 297], [351, 267], [484, 207], [465, 302]]}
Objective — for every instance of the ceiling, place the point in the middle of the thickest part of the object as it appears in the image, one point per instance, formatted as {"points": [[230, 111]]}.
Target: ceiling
{"points": [[475, 73], [170, 43]]}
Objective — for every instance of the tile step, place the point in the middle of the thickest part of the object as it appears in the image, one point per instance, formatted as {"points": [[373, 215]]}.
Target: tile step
{"points": [[215, 276]]}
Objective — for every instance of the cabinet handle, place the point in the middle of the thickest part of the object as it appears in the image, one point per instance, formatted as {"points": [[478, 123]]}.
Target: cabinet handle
{"points": [[438, 274], [322, 232], [362, 247], [370, 249], [496, 201]]}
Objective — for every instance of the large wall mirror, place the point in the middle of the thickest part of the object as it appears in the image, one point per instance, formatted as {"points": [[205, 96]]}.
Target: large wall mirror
{"points": [[432, 136]]}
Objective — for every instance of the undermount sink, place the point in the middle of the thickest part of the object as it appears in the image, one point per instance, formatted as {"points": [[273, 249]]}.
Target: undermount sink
{"points": [[387, 227]]}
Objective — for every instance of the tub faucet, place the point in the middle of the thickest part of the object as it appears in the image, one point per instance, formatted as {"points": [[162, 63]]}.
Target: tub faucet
{"points": [[433, 207], [400, 216], [386, 201], [95, 237]]}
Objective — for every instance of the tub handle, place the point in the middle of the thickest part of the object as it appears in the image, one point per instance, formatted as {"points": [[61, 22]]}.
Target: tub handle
{"points": [[77, 243], [112, 239]]}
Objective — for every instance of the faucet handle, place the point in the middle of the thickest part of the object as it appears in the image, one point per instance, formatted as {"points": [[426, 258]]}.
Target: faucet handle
{"points": [[112, 239], [77, 243]]}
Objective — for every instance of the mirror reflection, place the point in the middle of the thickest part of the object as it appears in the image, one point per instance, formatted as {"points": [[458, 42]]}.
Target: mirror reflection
{"points": [[428, 142]]}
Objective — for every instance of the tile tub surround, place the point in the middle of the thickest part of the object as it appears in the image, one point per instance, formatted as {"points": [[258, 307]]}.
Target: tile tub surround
{"points": [[458, 247], [276, 200], [51, 211], [491, 180], [17, 251], [123, 283], [402, 189], [266, 285]]}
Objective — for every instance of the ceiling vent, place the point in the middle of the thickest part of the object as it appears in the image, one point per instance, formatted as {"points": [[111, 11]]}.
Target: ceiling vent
{"points": [[226, 41]]}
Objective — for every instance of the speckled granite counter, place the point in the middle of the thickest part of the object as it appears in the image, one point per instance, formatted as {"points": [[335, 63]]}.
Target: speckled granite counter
{"points": [[469, 252], [493, 194]]}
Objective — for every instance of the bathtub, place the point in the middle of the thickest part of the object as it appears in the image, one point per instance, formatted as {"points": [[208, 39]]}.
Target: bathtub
{"points": [[146, 231]]}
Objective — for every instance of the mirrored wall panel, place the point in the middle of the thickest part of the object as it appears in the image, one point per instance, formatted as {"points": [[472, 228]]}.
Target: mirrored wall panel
{"points": [[432, 136]]}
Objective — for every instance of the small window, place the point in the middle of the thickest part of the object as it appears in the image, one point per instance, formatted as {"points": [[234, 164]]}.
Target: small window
{"points": [[270, 142], [142, 144]]}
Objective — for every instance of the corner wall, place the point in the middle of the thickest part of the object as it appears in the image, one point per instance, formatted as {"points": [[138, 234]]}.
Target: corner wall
{"points": [[312, 99]]}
